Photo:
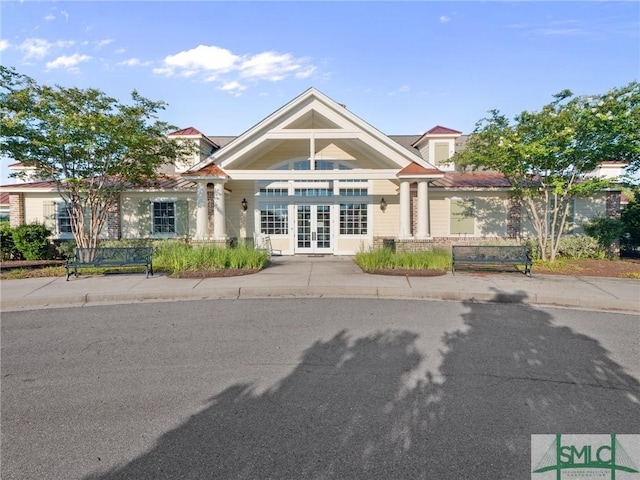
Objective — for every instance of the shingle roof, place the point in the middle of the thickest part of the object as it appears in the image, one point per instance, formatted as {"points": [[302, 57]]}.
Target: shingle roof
{"points": [[165, 182], [221, 141], [406, 141]]}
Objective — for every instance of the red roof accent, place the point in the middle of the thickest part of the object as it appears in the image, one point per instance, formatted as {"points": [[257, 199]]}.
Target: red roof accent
{"points": [[171, 181], [4, 198], [414, 169], [472, 180], [437, 130], [211, 169], [186, 131], [440, 130]]}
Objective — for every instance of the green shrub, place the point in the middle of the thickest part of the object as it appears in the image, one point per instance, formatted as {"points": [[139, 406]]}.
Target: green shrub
{"points": [[65, 249], [8, 249], [605, 230], [630, 218], [571, 246], [32, 240]]}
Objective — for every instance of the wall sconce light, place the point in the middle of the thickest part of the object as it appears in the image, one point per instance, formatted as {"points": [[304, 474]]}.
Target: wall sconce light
{"points": [[244, 204], [383, 204]]}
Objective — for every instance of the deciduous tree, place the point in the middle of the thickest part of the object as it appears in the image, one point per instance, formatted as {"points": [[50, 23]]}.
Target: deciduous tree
{"points": [[91, 145], [548, 155]]}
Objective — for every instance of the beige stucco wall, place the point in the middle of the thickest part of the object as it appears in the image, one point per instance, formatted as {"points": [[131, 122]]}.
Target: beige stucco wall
{"points": [[136, 213], [240, 224], [385, 224], [490, 208]]}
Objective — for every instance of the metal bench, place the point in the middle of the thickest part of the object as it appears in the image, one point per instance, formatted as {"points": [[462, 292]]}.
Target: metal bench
{"points": [[111, 257], [491, 255]]}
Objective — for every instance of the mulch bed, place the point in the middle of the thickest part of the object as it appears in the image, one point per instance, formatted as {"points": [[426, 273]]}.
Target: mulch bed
{"points": [[228, 272], [9, 264], [408, 272]]}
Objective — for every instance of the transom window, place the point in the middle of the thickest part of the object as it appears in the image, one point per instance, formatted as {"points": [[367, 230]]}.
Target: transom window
{"points": [[313, 192], [353, 218], [305, 164], [274, 218], [274, 192], [354, 192]]}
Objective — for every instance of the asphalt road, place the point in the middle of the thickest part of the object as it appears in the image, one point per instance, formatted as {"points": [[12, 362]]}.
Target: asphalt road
{"points": [[307, 388]]}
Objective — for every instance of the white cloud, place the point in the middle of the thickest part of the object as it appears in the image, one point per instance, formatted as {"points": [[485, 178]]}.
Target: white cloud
{"points": [[69, 62], [120, 51], [103, 43], [563, 32], [38, 47], [134, 62], [444, 19], [269, 66], [402, 89], [4, 44], [233, 87], [50, 17], [65, 14], [201, 59], [211, 63]]}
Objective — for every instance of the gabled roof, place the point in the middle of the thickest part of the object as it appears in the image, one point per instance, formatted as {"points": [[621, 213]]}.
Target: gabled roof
{"points": [[336, 117], [186, 131], [440, 130], [437, 131], [415, 170], [208, 170]]}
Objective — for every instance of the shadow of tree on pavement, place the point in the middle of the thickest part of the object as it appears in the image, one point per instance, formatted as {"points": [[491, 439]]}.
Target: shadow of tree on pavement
{"points": [[347, 411]]}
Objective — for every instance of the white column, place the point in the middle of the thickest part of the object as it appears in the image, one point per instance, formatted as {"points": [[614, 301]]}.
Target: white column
{"points": [[202, 221], [405, 210], [423, 210], [219, 228]]}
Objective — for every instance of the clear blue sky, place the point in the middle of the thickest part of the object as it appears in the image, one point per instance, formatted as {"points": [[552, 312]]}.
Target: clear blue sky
{"points": [[401, 66]]}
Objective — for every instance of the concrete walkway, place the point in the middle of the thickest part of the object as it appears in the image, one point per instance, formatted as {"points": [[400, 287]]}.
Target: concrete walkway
{"points": [[325, 277]]}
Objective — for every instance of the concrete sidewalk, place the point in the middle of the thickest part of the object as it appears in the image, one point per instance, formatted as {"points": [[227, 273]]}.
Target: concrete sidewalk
{"points": [[325, 277]]}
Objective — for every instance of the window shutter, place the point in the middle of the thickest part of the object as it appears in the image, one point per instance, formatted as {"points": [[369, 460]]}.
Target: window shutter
{"points": [[462, 217], [50, 216], [145, 227], [182, 217], [441, 152]]}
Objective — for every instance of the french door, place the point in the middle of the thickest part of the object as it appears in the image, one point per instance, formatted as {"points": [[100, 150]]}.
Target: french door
{"points": [[313, 229]]}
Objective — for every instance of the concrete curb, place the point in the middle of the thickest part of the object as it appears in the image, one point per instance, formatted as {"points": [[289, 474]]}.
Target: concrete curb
{"points": [[239, 293]]}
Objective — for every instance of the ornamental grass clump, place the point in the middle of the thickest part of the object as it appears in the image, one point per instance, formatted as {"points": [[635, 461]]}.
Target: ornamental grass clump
{"points": [[177, 257]]}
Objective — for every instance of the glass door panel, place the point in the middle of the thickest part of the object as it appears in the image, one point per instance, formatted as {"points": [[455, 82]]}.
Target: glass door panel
{"points": [[313, 229]]}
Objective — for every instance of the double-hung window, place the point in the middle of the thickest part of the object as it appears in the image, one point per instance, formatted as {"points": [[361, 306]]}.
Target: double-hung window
{"points": [[63, 218], [164, 217]]}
